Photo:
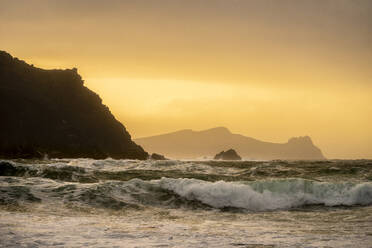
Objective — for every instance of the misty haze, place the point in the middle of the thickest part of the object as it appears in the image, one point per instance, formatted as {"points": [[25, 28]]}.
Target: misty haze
{"points": [[185, 123]]}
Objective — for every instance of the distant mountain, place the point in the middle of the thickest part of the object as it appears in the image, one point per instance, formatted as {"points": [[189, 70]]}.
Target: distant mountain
{"points": [[52, 112], [197, 144]]}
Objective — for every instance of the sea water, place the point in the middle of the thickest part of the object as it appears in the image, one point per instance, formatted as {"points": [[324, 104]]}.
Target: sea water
{"points": [[129, 203]]}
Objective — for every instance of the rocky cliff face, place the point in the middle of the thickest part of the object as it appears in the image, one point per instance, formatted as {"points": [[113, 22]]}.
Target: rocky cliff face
{"points": [[52, 112]]}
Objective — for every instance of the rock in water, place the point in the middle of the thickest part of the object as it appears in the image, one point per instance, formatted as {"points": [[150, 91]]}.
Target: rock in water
{"points": [[52, 112], [228, 155], [156, 156]]}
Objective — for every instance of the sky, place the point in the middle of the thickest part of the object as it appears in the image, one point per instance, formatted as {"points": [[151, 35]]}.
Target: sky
{"points": [[267, 69]]}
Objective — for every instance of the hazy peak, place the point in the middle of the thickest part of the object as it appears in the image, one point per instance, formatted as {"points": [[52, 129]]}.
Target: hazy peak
{"points": [[183, 131], [301, 140], [217, 130]]}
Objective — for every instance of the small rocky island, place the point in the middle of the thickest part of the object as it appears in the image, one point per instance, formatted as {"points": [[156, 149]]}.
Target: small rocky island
{"points": [[230, 154], [156, 156], [51, 112]]}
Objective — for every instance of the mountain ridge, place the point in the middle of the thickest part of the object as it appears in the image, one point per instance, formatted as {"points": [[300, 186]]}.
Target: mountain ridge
{"points": [[187, 143]]}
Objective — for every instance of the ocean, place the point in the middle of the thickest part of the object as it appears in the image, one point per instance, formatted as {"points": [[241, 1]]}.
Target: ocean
{"points": [[175, 203]]}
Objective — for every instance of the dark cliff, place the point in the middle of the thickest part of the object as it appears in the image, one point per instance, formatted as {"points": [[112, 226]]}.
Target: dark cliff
{"points": [[52, 112]]}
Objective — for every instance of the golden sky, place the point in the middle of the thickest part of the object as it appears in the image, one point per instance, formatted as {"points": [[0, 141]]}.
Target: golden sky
{"points": [[267, 69]]}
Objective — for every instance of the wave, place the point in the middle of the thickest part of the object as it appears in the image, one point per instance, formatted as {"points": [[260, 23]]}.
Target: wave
{"points": [[185, 193], [93, 171], [270, 195]]}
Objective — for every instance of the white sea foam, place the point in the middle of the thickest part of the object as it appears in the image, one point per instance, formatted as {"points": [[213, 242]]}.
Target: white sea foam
{"points": [[161, 165], [55, 206], [270, 195]]}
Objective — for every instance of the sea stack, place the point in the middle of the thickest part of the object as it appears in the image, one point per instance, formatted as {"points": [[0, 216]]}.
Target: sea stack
{"points": [[230, 154], [51, 112]]}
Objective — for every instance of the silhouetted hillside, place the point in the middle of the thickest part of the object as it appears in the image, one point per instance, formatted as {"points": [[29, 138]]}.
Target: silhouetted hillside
{"points": [[196, 144], [52, 112]]}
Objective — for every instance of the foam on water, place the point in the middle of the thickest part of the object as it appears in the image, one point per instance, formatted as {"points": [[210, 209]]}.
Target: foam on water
{"points": [[172, 183], [84, 170], [129, 203], [270, 195], [184, 193]]}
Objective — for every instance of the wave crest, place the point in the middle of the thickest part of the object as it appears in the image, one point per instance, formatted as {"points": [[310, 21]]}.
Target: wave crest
{"points": [[270, 195]]}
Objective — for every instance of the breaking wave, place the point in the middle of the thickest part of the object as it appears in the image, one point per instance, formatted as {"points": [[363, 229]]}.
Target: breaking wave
{"points": [[252, 186], [270, 195], [187, 193]]}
